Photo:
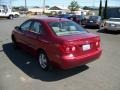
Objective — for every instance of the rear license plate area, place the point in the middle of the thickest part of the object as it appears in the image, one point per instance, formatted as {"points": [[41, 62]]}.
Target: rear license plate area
{"points": [[86, 47]]}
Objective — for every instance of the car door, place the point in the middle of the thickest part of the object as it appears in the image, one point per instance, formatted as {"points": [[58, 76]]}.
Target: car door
{"points": [[33, 35], [20, 35]]}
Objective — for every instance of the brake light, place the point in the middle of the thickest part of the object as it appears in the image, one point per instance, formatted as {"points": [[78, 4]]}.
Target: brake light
{"points": [[97, 43], [67, 48], [73, 48]]}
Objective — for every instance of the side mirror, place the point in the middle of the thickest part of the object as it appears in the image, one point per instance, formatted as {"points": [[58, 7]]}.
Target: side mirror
{"points": [[17, 28]]}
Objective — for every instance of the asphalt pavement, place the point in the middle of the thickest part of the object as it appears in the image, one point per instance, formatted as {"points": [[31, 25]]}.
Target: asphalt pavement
{"points": [[20, 71]]}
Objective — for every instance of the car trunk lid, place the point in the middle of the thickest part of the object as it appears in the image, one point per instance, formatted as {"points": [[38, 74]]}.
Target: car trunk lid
{"points": [[84, 43]]}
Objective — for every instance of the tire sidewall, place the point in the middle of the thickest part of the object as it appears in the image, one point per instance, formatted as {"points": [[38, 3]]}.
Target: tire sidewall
{"points": [[16, 16], [47, 67], [15, 44], [11, 17]]}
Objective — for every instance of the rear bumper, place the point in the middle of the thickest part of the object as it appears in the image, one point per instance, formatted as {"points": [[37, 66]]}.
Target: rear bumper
{"points": [[92, 25], [67, 63]]}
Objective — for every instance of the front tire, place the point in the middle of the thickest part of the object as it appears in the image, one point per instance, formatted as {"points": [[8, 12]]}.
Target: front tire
{"points": [[43, 60], [15, 44], [16, 16], [11, 17]]}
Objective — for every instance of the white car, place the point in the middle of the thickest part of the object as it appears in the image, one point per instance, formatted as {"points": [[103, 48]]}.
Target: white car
{"points": [[16, 14], [112, 24], [6, 12]]}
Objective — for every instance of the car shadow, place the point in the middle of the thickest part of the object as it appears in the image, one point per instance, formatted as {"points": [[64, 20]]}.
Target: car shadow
{"points": [[108, 32], [90, 27], [30, 66]]}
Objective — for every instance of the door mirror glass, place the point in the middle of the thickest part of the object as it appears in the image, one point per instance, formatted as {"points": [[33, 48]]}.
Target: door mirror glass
{"points": [[17, 28]]}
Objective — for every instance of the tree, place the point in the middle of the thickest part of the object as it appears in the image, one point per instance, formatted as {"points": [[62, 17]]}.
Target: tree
{"points": [[86, 8], [73, 6], [105, 10], [47, 6], [100, 8]]}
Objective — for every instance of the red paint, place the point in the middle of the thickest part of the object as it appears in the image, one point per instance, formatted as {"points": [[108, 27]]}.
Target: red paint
{"points": [[63, 51]]}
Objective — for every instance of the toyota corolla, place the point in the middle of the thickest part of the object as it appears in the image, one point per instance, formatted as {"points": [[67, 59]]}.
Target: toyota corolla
{"points": [[57, 42]]}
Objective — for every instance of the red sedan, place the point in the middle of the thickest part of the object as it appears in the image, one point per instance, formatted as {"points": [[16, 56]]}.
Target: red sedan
{"points": [[57, 42]]}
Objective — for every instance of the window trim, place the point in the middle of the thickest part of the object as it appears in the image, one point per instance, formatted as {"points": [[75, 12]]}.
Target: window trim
{"points": [[25, 23]]}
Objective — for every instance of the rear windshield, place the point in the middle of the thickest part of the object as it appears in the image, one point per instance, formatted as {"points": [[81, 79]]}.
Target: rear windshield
{"points": [[93, 17], [80, 16], [66, 28], [115, 20]]}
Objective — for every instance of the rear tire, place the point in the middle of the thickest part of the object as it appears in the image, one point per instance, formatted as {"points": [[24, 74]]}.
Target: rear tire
{"points": [[16, 16], [10, 17], [43, 61], [14, 42]]}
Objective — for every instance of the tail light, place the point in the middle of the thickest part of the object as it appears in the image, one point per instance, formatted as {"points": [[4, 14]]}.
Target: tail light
{"points": [[67, 49], [97, 42]]}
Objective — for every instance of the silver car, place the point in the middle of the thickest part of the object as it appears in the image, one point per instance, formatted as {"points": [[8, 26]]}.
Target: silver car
{"points": [[112, 24]]}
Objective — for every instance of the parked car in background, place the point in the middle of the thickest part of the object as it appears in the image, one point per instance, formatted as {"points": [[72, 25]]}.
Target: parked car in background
{"points": [[78, 19], [94, 21], [75, 19], [82, 19], [6, 12], [16, 14], [58, 42], [66, 16], [112, 24]]}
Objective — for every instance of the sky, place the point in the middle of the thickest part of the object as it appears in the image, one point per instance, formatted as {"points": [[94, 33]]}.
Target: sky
{"points": [[63, 3]]}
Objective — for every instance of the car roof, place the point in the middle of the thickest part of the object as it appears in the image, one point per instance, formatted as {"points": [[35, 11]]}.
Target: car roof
{"points": [[50, 19]]}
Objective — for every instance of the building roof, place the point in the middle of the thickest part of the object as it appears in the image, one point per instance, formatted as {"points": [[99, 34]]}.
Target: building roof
{"points": [[49, 19], [55, 8]]}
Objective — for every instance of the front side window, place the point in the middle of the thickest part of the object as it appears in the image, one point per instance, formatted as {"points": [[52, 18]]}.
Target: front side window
{"points": [[26, 26], [37, 27], [66, 28]]}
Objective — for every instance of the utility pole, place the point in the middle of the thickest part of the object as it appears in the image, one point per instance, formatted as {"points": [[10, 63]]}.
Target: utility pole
{"points": [[25, 4], [43, 6], [25, 7]]}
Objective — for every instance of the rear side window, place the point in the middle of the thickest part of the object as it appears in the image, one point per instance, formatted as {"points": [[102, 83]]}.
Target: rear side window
{"points": [[26, 26]]}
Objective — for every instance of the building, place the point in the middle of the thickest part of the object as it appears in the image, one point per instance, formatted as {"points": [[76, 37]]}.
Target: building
{"points": [[57, 10], [113, 12]]}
